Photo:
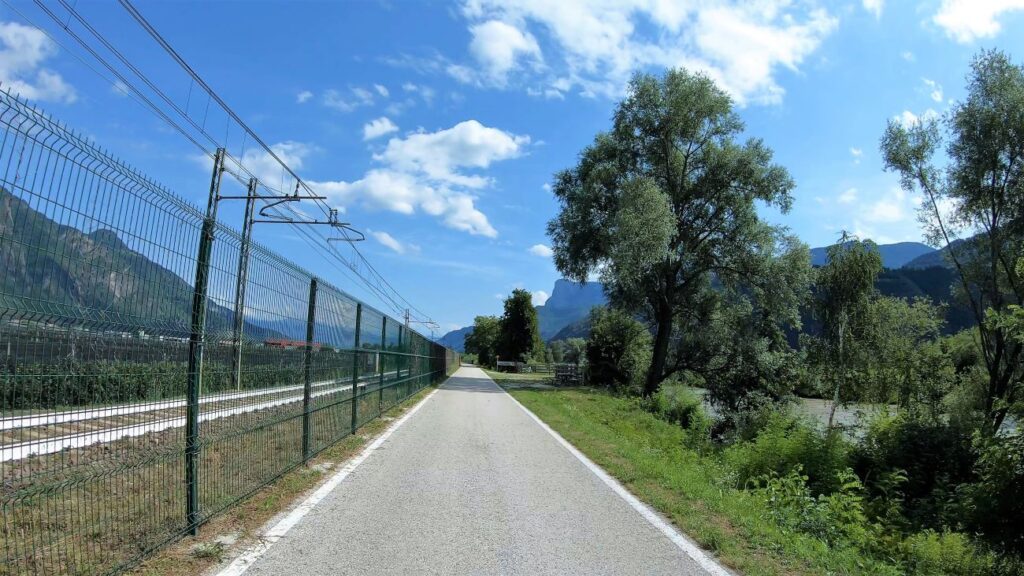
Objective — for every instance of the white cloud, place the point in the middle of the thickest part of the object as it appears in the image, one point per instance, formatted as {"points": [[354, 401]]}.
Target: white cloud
{"points": [[540, 297], [742, 45], [393, 243], [874, 6], [379, 127], [425, 92], [968, 20], [439, 155], [383, 91], [356, 98], [546, 187], [23, 50], [849, 196], [541, 250], [908, 56], [935, 89], [498, 47], [889, 208], [857, 153], [303, 97], [433, 172], [908, 119]]}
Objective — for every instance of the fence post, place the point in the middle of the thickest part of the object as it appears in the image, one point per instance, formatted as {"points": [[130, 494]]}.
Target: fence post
{"points": [[383, 342], [401, 358], [195, 349], [307, 367], [355, 367], [243, 278]]}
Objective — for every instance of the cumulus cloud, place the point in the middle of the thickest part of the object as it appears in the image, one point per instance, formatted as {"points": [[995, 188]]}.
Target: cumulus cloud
{"points": [[498, 47], [541, 250], [849, 196], [874, 6], [433, 172], [968, 20], [597, 46], [379, 127], [303, 97], [23, 50], [540, 297]]}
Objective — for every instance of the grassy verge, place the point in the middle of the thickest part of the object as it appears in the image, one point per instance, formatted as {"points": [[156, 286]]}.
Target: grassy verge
{"points": [[530, 379], [695, 492], [239, 526]]}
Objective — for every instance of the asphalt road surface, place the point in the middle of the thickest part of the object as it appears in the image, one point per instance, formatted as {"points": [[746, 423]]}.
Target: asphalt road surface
{"points": [[471, 484]]}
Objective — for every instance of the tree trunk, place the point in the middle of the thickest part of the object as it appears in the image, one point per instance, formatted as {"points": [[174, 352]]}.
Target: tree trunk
{"points": [[660, 356]]}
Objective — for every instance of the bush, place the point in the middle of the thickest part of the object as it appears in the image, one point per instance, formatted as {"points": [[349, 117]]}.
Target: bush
{"points": [[997, 498], [618, 351], [680, 406], [787, 444], [837, 518], [931, 553], [933, 456]]}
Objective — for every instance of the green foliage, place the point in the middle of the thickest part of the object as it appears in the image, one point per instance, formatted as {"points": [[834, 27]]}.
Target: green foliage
{"points": [[71, 383], [997, 498], [836, 518], [786, 444], [483, 340], [618, 350], [931, 553], [678, 405], [979, 186], [519, 338], [908, 366], [845, 288], [934, 457], [568, 351], [667, 201]]}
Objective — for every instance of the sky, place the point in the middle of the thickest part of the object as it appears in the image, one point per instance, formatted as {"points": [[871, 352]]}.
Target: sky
{"points": [[436, 127]]}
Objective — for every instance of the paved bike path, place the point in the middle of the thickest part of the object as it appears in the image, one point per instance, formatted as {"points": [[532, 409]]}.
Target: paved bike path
{"points": [[471, 484]]}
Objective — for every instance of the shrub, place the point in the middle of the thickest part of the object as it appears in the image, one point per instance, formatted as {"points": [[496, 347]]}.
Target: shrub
{"points": [[679, 405], [618, 351], [787, 444], [837, 518], [933, 456], [997, 498], [931, 553]]}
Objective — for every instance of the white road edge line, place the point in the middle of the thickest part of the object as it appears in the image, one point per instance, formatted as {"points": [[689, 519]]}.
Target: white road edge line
{"points": [[270, 537], [682, 542]]}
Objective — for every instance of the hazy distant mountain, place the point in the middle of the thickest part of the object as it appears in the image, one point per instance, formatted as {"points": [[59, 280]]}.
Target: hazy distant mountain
{"points": [[936, 258], [58, 273], [569, 303], [456, 339], [893, 255]]}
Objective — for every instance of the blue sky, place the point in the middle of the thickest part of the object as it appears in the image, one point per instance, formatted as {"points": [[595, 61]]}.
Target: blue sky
{"points": [[435, 126]]}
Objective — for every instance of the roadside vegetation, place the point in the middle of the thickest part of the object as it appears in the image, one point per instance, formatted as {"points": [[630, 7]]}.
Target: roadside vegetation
{"points": [[663, 207]]}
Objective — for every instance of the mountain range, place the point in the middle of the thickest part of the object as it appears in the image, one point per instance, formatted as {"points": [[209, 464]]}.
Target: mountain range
{"points": [[912, 270], [55, 273]]}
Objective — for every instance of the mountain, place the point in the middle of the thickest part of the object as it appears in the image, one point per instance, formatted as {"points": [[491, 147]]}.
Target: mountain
{"points": [[58, 273], [936, 258], [569, 304], [893, 255], [456, 339]]}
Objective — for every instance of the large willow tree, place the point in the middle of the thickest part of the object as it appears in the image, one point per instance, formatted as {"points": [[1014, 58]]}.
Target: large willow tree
{"points": [[663, 206]]}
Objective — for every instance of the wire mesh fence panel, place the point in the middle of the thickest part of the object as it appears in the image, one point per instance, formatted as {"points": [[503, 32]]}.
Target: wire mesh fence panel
{"points": [[157, 367]]}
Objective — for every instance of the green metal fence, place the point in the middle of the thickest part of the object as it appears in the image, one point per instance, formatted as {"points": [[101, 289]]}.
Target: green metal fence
{"points": [[157, 367]]}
